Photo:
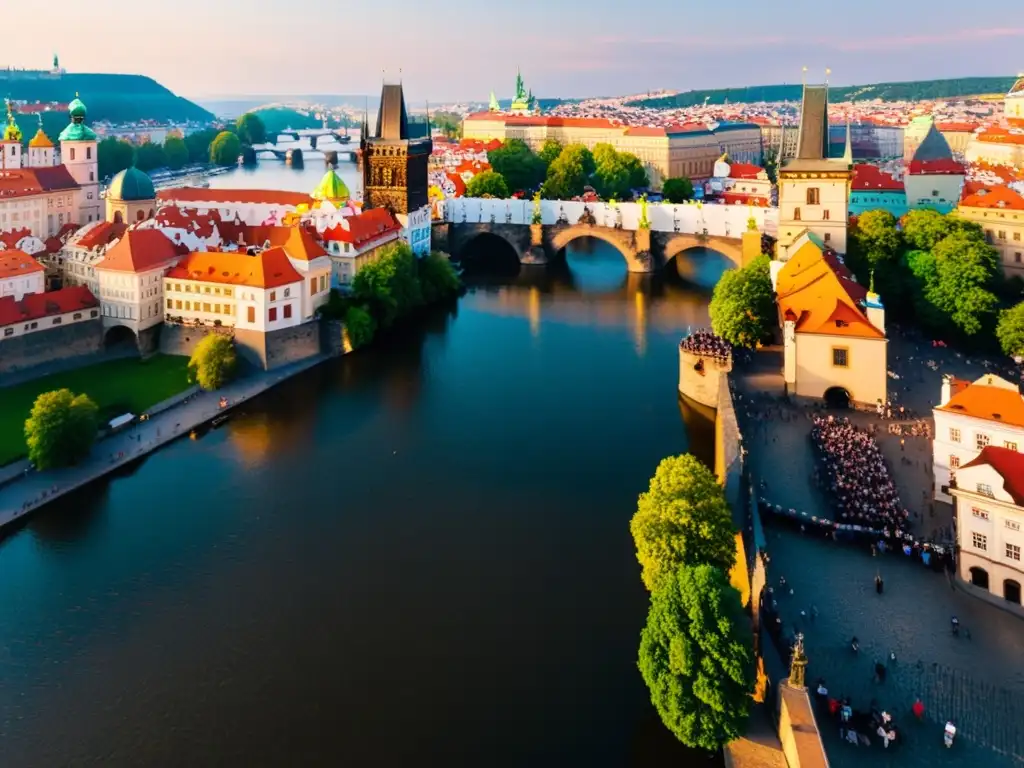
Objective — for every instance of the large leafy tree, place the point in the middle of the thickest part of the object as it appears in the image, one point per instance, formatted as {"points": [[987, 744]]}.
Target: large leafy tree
{"points": [[550, 151], [225, 149], [213, 362], [616, 173], [924, 228], [150, 156], [390, 287], [966, 269], [198, 144], [875, 256], [677, 189], [682, 519], [516, 162], [438, 278], [61, 429], [696, 656], [743, 306], [176, 152], [487, 184], [250, 129], [1010, 331], [359, 326], [113, 156], [569, 173]]}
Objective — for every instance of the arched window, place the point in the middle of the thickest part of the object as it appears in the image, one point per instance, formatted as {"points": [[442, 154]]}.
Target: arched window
{"points": [[979, 577], [118, 219], [1011, 591], [140, 215], [813, 196]]}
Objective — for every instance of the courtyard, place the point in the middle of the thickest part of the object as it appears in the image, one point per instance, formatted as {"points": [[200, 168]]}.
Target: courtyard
{"points": [[126, 385]]}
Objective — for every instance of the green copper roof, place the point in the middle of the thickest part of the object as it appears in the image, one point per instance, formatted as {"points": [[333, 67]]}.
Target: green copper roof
{"points": [[77, 132], [331, 187], [77, 108], [131, 185]]}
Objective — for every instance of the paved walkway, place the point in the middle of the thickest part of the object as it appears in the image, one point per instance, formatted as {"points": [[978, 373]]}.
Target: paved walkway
{"points": [[35, 489]]}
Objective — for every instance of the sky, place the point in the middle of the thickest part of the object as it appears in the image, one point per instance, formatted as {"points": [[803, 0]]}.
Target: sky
{"points": [[462, 49]]}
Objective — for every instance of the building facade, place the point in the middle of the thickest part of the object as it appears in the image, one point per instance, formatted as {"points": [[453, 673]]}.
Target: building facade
{"points": [[76, 261], [1000, 213], [38, 313], [357, 241], [989, 499], [394, 166], [254, 207], [872, 189], [130, 279], [20, 274]]}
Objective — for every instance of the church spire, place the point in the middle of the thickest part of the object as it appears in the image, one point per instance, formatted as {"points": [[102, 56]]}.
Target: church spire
{"points": [[848, 153]]}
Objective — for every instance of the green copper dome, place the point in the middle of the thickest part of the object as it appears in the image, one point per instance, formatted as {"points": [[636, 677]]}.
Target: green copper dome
{"points": [[331, 187], [131, 185], [77, 130], [77, 108]]}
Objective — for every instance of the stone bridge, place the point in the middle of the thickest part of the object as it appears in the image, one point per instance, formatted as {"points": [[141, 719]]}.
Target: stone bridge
{"points": [[643, 249]]}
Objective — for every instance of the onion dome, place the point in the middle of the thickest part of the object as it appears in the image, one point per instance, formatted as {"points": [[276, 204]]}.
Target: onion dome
{"points": [[77, 108], [331, 188], [77, 130], [131, 185]]}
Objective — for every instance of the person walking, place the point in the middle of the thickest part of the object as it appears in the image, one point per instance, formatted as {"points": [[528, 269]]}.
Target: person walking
{"points": [[879, 584], [918, 709]]}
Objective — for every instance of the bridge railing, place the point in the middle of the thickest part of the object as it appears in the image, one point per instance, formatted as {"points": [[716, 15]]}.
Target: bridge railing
{"points": [[717, 220]]}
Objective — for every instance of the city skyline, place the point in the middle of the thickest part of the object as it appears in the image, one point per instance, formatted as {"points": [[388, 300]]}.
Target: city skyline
{"points": [[453, 54]]}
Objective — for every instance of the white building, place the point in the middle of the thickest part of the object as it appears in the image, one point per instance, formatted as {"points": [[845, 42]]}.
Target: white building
{"points": [[989, 494], [254, 207], [970, 417], [20, 274], [39, 312], [130, 279], [77, 260]]}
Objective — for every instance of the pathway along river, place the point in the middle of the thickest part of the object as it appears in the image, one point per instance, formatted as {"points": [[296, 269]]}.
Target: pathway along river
{"points": [[417, 555]]}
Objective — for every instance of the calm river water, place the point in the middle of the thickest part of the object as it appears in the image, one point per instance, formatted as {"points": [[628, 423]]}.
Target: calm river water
{"points": [[417, 555]]}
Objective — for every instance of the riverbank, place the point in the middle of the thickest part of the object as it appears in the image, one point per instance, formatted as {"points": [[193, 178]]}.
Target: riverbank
{"points": [[34, 490]]}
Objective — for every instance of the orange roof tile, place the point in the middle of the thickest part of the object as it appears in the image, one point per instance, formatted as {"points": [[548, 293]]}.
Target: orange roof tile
{"points": [[941, 166], [36, 305], [228, 196], [990, 398], [745, 171], [140, 250], [11, 238], [15, 263], [995, 197], [102, 234], [1010, 466], [871, 177], [267, 269], [364, 228]]}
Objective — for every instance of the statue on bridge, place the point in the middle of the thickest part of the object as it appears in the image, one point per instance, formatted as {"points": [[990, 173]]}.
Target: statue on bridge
{"points": [[645, 223], [587, 217], [537, 218]]}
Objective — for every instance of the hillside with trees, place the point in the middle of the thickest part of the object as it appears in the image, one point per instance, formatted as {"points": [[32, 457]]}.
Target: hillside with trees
{"points": [[113, 98], [920, 90]]}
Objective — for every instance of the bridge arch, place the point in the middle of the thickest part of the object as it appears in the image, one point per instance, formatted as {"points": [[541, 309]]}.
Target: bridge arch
{"points": [[623, 241], [467, 240], [119, 336], [676, 244]]}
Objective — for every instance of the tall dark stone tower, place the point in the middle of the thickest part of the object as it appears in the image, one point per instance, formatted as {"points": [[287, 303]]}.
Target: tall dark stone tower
{"points": [[394, 166]]}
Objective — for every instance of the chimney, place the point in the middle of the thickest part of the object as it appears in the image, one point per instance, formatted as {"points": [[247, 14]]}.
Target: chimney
{"points": [[947, 388]]}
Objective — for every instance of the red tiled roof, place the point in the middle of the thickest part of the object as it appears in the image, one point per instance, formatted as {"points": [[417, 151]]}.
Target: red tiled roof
{"points": [[26, 182], [954, 127], [942, 166], [871, 177], [367, 226], [645, 130], [36, 305], [11, 238], [998, 135], [267, 269], [1010, 466], [102, 234], [15, 263], [745, 198], [140, 250], [228, 196], [744, 171], [551, 122], [460, 185], [987, 399], [995, 197]]}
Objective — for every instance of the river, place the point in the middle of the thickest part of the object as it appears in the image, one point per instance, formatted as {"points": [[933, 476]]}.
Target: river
{"points": [[419, 554]]}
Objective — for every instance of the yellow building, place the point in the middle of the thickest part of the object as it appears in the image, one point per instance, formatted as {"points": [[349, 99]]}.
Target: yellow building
{"points": [[1000, 212], [1002, 143], [685, 150]]}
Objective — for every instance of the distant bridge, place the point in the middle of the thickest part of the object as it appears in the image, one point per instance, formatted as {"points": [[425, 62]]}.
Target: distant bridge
{"points": [[315, 134], [672, 230], [351, 155]]}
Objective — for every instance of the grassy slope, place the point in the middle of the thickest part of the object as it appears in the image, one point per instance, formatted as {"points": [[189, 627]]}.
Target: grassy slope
{"points": [[117, 387]]}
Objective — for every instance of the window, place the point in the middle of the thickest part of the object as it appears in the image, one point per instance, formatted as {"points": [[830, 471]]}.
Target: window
{"points": [[828, 237], [273, 314], [34, 326], [1013, 552], [188, 306], [56, 321], [985, 489], [796, 214], [825, 215], [72, 153], [1010, 446], [813, 196], [88, 153], [840, 357], [312, 286], [206, 289], [1013, 525], [8, 331], [980, 440], [981, 514], [1016, 237], [216, 309], [170, 304], [93, 313], [177, 304], [251, 316], [954, 435], [1016, 257], [287, 292], [273, 295], [1002, 234], [91, 178], [979, 540], [954, 461], [323, 282], [216, 291], [935, 193], [287, 311], [76, 316], [227, 292]]}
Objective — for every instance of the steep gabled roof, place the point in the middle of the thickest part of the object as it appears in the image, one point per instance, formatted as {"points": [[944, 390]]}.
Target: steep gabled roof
{"points": [[1008, 464], [140, 250], [990, 398], [267, 269]]}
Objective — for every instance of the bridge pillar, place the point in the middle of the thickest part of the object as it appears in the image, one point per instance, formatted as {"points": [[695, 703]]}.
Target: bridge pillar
{"points": [[644, 260], [536, 253]]}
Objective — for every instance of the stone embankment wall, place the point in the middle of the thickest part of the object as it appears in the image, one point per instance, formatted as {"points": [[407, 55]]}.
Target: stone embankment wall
{"points": [[182, 339], [265, 351], [77, 340], [290, 345], [700, 377]]}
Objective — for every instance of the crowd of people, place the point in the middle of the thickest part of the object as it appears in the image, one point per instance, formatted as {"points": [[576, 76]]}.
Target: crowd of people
{"points": [[706, 342], [852, 469]]}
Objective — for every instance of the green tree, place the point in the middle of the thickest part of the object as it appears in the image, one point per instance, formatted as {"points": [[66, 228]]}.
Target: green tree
{"points": [[250, 129], [213, 362], [176, 152], [742, 304], [113, 156], [569, 173], [390, 287], [448, 123], [923, 228], [550, 151], [677, 189], [60, 429], [616, 173], [150, 156], [966, 270], [487, 184], [696, 656], [225, 149], [1010, 330], [875, 253], [517, 163], [682, 519], [438, 278], [359, 326], [198, 144]]}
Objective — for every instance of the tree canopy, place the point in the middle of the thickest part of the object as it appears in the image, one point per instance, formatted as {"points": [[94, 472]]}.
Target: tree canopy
{"points": [[616, 173], [213, 362], [569, 173], [682, 519], [743, 305], [60, 429], [488, 184], [696, 656], [516, 162], [250, 129], [176, 152], [150, 156], [678, 189], [225, 149], [198, 144], [1010, 330], [966, 269], [360, 327], [552, 148], [923, 228], [113, 156]]}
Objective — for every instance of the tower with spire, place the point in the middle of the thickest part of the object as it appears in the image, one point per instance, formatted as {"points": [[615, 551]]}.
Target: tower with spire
{"points": [[394, 165], [10, 147], [79, 156], [41, 152]]}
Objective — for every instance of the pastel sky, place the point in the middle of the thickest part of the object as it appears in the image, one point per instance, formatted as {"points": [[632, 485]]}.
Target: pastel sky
{"points": [[461, 49]]}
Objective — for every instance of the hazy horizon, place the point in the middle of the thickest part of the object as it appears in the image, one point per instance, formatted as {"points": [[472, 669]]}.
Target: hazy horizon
{"points": [[450, 53]]}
